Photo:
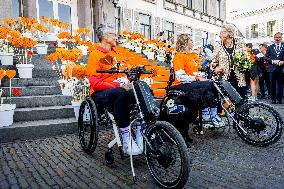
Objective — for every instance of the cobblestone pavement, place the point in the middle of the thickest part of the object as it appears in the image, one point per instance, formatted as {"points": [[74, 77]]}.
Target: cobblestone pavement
{"points": [[220, 160]]}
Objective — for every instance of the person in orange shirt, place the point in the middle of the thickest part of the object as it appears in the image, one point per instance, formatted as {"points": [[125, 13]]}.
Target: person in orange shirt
{"points": [[201, 93], [105, 91]]}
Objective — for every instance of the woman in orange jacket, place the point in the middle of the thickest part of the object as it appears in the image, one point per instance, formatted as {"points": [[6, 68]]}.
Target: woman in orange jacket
{"points": [[106, 92], [200, 92]]}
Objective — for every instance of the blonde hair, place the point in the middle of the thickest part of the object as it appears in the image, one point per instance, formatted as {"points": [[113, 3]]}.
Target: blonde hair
{"points": [[230, 28], [182, 42]]}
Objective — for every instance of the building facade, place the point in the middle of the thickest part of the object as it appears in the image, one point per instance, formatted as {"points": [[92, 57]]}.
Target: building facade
{"points": [[200, 18], [259, 26]]}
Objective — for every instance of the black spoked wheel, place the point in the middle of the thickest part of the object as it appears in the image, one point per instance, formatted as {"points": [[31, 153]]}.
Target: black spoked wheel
{"points": [[167, 158], [88, 125], [258, 124]]}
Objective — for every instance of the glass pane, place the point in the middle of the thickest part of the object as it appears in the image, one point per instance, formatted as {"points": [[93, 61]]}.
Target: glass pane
{"points": [[16, 9], [169, 26], [148, 32], [45, 8], [145, 19], [64, 13], [142, 29]]}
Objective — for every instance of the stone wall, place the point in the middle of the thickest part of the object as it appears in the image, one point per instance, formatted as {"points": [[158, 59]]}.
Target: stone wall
{"points": [[6, 9]]}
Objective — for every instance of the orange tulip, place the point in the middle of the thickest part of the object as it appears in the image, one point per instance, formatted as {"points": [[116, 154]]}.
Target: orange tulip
{"points": [[11, 73], [2, 74]]}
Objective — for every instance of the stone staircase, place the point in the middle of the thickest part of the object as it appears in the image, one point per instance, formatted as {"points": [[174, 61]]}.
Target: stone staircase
{"points": [[41, 110]]}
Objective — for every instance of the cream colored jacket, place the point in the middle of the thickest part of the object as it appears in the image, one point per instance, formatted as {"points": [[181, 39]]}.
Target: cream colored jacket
{"points": [[221, 57]]}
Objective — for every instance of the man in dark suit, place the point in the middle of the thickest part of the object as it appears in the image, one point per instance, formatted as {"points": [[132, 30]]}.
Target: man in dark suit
{"points": [[275, 59]]}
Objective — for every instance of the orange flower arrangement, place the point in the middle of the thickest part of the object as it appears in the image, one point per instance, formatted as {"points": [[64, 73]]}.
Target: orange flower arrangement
{"points": [[2, 73], [10, 73], [10, 22], [4, 32], [65, 35], [79, 71], [83, 31], [67, 71]]}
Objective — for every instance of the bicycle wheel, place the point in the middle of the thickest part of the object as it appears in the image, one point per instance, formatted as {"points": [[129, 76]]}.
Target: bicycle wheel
{"points": [[167, 155], [88, 125], [258, 124]]}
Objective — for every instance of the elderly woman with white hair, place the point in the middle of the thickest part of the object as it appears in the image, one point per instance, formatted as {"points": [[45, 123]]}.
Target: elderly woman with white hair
{"points": [[106, 91], [223, 54]]}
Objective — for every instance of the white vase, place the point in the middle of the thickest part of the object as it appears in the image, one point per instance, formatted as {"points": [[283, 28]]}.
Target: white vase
{"points": [[65, 90], [145, 52], [151, 56], [6, 58], [7, 114], [76, 106], [161, 58], [138, 50], [84, 49], [25, 70], [41, 48]]}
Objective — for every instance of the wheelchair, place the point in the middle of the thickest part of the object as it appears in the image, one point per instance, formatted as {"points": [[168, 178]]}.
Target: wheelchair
{"points": [[256, 123], [166, 153]]}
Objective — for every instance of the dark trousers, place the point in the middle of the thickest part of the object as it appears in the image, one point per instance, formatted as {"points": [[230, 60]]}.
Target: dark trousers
{"points": [[276, 77], [264, 79], [234, 82], [118, 100]]}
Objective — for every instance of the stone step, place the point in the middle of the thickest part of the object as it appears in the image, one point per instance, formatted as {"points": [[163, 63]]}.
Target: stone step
{"points": [[38, 129], [42, 113], [40, 101], [35, 90], [21, 82], [45, 73]]}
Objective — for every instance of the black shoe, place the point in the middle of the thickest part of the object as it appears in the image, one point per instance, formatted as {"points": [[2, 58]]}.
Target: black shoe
{"points": [[273, 101]]}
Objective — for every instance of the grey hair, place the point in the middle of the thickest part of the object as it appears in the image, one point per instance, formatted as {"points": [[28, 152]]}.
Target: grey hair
{"points": [[102, 30], [230, 28]]}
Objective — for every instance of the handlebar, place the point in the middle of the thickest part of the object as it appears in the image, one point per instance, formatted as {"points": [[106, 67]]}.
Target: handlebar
{"points": [[126, 71]]}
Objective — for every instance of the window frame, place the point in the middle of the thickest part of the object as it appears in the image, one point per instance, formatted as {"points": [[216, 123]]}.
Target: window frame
{"points": [[145, 25], [254, 31]]}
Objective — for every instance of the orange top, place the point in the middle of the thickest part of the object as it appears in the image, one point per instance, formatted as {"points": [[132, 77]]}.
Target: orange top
{"points": [[98, 60], [189, 62]]}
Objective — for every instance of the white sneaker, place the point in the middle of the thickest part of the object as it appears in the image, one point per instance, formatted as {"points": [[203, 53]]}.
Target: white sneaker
{"points": [[131, 150], [218, 121]]}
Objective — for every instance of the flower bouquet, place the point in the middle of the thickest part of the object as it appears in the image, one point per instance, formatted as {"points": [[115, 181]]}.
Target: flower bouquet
{"points": [[80, 86], [241, 62]]}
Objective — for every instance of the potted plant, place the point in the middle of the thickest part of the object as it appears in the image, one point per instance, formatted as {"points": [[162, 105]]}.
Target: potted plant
{"points": [[68, 59], [25, 67], [6, 48], [6, 110], [80, 87]]}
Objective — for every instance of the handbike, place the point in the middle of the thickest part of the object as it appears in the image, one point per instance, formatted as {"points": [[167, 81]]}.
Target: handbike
{"points": [[258, 124], [165, 149]]}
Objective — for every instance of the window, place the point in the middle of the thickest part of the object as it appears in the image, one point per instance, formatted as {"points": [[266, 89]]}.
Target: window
{"points": [[254, 30], [188, 30], [204, 37], [117, 20], [204, 6], [169, 28], [145, 25], [45, 8], [189, 3], [16, 9], [271, 27], [218, 8]]}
